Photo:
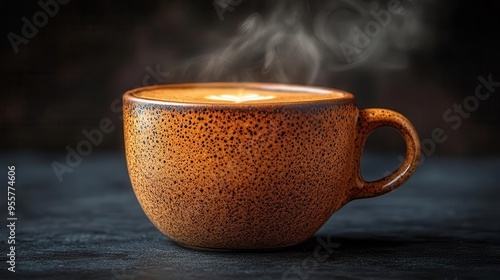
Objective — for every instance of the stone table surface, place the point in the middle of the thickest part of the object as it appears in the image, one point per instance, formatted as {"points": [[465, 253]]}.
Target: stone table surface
{"points": [[442, 224]]}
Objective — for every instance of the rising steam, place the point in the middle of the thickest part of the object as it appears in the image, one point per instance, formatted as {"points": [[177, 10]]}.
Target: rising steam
{"points": [[343, 34]]}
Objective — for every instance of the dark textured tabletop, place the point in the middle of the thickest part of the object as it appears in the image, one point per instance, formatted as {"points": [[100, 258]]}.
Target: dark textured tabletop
{"points": [[442, 224]]}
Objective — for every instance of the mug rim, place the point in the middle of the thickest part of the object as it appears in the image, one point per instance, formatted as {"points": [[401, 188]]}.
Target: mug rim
{"points": [[346, 97]]}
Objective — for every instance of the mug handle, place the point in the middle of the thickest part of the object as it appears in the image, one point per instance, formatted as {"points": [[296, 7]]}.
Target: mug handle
{"points": [[368, 121]]}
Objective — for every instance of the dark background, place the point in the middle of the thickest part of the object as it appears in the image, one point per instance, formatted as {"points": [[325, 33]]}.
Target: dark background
{"points": [[66, 78], [87, 224]]}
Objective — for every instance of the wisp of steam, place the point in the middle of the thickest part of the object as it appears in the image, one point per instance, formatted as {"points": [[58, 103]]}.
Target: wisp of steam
{"points": [[292, 45]]}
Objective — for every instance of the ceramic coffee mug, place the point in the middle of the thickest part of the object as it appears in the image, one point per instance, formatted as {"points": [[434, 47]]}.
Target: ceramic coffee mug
{"points": [[251, 166]]}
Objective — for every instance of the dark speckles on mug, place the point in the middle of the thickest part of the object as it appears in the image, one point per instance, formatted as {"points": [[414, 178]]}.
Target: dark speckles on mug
{"points": [[239, 178], [243, 177]]}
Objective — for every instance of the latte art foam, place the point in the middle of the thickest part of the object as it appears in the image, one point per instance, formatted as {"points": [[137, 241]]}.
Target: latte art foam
{"points": [[239, 93], [240, 97]]}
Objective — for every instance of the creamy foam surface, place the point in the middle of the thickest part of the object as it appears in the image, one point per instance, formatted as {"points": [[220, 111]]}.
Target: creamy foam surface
{"points": [[238, 93]]}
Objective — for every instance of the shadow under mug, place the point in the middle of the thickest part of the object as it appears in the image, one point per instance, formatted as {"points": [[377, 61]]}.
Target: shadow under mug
{"points": [[235, 166]]}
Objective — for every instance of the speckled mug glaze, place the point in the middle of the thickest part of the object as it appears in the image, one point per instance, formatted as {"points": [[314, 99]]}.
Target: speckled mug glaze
{"points": [[251, 175]]}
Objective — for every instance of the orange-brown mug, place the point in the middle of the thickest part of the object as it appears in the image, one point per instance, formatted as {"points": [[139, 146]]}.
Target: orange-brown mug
{"points": [[231, 166]]}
